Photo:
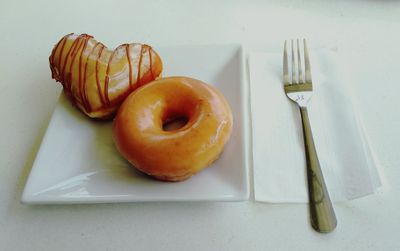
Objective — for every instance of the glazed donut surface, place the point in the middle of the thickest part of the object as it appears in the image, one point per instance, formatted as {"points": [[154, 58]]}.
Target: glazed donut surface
{"points": [[97, 79], [173, 155]]}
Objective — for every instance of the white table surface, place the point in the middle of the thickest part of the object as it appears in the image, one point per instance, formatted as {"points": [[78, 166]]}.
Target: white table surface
{"points": [[368, 31]]}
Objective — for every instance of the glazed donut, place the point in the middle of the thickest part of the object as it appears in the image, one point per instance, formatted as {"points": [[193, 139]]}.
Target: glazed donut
{"points": [[97, 79], [177, 154]]}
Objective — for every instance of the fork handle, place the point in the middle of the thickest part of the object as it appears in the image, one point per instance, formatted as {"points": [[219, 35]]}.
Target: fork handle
{"points": [[323, 218]]}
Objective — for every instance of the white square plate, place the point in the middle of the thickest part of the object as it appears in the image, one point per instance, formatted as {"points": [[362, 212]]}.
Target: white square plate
{"points": [[78, 163]]}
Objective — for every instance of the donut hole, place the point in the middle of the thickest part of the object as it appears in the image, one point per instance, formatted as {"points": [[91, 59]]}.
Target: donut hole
{"points": [[175, 123], [179, 109]]}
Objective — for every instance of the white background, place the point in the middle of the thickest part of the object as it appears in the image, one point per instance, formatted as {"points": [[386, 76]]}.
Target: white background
{"points": [[367, 31]]}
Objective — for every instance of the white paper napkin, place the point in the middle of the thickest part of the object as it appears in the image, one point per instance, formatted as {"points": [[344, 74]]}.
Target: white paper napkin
{"points": [[278, 150]]}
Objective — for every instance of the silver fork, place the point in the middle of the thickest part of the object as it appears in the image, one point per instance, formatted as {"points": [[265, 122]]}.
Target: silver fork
{"points": [[299, 89]]}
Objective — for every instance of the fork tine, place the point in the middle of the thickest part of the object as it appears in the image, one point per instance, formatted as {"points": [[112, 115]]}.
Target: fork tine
{"points": [[294, 70], [300, 70], [285, 66], [307, 63]]}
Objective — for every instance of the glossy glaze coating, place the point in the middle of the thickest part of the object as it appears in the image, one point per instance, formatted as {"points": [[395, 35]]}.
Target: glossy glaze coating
{"points": [[178, 154], [97, 79]]}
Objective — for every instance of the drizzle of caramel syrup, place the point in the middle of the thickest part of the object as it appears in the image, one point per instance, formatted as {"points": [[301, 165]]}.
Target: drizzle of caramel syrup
{"points": [[61, 73]]}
